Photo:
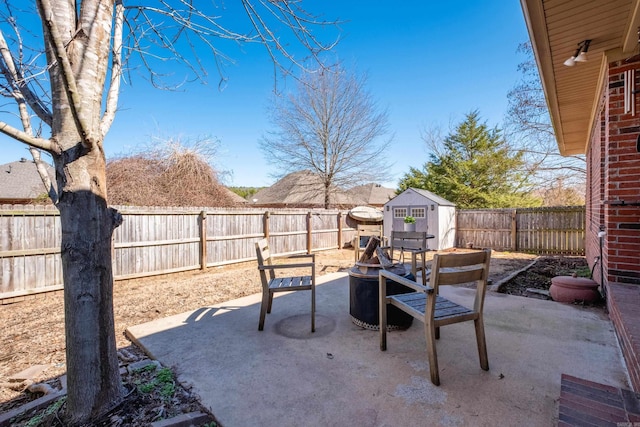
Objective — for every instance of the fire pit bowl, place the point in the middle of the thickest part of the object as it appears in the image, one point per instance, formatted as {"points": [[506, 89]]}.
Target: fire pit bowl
{"points": [[364, 294]]}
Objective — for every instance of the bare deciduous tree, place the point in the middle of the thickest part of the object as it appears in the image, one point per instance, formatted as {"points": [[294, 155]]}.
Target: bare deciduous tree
{"points": [[331, 126], [529, 127], [61, 68]]}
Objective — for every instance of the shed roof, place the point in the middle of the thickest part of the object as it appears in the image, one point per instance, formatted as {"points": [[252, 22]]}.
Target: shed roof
{"points": [[20, 180], [426, 194]]}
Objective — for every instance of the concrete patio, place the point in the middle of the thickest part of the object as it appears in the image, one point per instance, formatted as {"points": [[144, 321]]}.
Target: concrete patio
{"points": [[286, 376]]}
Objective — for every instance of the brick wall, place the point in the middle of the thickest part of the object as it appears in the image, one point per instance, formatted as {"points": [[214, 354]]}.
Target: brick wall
{"points": [[595, 191], [622, 182], [613, 203]]}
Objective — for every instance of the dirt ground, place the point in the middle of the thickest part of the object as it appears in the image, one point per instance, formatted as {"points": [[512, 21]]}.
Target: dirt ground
{"points": [[32, 331], [539, 275]]}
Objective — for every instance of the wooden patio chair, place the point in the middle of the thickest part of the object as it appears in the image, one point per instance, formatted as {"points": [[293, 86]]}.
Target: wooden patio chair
{"points": [[271, 283], [415, 243], [435, 311]]}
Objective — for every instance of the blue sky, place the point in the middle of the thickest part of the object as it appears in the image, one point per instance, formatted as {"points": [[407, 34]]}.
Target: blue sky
{"points": [[428, 63]]}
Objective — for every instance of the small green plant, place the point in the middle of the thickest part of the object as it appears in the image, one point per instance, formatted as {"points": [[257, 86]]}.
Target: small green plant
{"points": [[168, 390], [583, 272], [165, 375], [148, 368], [409, 219], [147, 388], [162, 382], [51, 409]]}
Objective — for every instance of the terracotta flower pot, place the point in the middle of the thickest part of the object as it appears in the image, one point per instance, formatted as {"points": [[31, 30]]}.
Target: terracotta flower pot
{"points": [[571, 289]]}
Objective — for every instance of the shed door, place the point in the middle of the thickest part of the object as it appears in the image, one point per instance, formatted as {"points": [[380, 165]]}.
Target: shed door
{"points": [[420, 214], [399, 212]]}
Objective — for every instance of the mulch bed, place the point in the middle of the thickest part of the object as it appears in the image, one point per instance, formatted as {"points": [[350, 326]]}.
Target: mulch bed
{"points": [[539, 275]]}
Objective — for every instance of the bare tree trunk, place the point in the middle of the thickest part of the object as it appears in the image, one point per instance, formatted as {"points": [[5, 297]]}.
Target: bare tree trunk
{"points": [[327, 195], [87, 229], [78, 46]]}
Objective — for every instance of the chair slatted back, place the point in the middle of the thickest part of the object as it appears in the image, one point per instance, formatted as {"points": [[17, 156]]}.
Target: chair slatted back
{"points": [[408, 240], [460, 268], [263, 253]]}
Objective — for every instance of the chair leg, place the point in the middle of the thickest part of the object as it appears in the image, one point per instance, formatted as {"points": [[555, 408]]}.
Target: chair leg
{"points": [[263, 308], [437, 333], [313, 309], [382, 313], [482, 344], [270, 303], [430, 335]]}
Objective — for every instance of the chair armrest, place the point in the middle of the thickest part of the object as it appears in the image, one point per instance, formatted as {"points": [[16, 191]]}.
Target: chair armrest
{"points": [[293, 256], [277, 266], [405, 282]]}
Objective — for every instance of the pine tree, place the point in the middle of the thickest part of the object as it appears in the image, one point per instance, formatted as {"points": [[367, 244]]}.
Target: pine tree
{"points": [[474, 167]]}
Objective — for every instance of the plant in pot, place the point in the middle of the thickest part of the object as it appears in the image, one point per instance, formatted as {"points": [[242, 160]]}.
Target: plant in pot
{"points": [[409, 223]]}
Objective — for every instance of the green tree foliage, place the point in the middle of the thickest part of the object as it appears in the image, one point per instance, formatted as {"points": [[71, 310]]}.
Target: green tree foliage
{"points": [[246, 192], [474, 167]]}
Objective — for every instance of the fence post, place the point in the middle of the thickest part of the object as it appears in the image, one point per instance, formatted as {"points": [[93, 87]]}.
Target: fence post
{"points": [[456, 233], [514, 230], [203, 240], [339, 230], [309, 236], [265, 224]]}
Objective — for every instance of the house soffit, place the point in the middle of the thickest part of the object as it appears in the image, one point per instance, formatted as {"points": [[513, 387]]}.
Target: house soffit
{"points": [[573, 93]]}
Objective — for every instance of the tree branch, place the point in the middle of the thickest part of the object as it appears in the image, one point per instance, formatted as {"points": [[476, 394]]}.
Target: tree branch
{"points": [[41, 143], [181, 25], [116, 71], [44, 176], [15, 79], [70, 87]]}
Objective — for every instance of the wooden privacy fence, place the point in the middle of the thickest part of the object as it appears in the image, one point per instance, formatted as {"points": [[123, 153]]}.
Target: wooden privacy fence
{"points": [[154, 241], [551, 231]]}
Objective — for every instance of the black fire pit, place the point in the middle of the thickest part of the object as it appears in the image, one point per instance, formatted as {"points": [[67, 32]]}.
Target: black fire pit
{"points": [[364, 294]]}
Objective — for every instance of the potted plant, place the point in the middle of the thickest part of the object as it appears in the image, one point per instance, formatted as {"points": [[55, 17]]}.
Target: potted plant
{"points": [[409, 223]]}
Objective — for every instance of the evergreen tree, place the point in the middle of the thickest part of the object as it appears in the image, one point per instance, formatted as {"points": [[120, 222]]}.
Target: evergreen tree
{"points": [[474, 167]]}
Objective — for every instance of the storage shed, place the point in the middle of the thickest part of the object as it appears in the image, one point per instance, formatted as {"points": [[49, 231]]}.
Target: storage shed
{"points": [[433, 214]]}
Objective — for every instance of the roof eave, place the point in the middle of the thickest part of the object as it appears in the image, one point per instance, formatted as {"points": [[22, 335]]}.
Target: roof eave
{"points": [[574, 139]]}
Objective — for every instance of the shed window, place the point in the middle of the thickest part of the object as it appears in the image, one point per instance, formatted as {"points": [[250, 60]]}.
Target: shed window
{"points": [[399, 212], [418, 212]]}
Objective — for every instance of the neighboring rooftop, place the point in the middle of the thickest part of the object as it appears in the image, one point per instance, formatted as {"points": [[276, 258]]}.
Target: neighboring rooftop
{"points": [[20, 182], [373, 194], [302, 189]]}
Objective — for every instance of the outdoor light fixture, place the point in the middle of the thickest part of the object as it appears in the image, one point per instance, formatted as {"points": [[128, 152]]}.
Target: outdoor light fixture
{"points": [[580, 55]]}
